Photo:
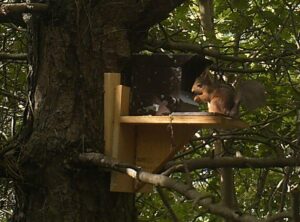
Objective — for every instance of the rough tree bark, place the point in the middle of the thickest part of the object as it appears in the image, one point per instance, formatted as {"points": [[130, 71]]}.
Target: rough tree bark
{"points": [[206, 19], [74, 43]]}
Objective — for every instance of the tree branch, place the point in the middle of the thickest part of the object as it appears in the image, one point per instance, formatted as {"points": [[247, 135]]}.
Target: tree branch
{"points": [[191, 47], [206, 11], [15, 19], [12, 96], [232, 162], [9, 56], [167, 204], [8, 165], [6, 8], [11, 12], [240, 71], [201, 199], [155, 11], [279, 217]]}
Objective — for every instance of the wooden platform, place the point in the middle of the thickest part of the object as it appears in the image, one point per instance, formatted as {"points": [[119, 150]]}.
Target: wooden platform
{"points": [[148, 141], [202, 121]]}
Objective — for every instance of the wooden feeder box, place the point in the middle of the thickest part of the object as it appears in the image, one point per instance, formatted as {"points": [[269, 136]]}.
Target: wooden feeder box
{"points": [[147, 141]]}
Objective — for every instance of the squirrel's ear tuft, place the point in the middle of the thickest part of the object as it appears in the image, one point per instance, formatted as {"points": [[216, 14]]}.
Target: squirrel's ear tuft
{"points": [[208, 62], [205, 76]]}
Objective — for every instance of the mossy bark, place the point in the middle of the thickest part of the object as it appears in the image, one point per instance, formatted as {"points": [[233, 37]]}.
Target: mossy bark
{"points": [[76, 42], [70, 47]]}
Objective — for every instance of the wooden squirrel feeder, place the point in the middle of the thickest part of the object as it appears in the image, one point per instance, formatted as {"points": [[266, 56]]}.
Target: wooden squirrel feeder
{"points": [[147, 141]]}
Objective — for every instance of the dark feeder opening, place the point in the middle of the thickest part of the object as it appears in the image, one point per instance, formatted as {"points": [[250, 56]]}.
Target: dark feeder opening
{"points": [[161, 84]]}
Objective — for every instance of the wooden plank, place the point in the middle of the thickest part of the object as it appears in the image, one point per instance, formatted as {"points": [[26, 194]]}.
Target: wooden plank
{"points": [[111, 80], [157, 144], [151, 141], [121, 107], [202, 121], [123, 145]]}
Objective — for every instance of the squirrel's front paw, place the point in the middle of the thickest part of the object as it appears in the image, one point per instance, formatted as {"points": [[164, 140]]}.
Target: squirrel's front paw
{"points": [[197, 99]]}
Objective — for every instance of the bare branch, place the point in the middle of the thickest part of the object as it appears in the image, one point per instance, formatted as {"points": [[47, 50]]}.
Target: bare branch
{"points": [[15, 19], [155, 11], [201, 199], [206, 11], [241, 71], [9, 56], [260, 186], [6, 8], [285, 183], [11, 96], [8, 165], [191, 47], [167, 204], [278, 217], [233, 162], [12, 12]]}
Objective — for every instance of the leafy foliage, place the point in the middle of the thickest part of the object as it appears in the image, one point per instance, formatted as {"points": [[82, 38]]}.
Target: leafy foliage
{"points": [[267, 31], [13, 80]]}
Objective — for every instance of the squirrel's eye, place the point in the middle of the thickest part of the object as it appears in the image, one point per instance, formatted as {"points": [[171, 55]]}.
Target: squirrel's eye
{"points": [[199, 85]]}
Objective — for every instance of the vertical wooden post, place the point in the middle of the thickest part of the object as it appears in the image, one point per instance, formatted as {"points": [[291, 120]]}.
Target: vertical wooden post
{"points": [[123, 143], [116, 103], [111, 80]]}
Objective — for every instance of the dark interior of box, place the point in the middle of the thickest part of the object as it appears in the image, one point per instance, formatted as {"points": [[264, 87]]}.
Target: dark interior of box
{"points": [[158, 81]]}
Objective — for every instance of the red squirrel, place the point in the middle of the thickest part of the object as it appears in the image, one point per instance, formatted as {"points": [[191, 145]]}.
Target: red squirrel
{"points": [[225, 99]]}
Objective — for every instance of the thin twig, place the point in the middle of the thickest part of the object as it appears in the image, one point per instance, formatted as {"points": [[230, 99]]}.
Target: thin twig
{"points": [[167, 204]]}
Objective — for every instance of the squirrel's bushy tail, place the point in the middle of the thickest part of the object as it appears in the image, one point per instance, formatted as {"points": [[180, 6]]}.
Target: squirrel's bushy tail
{"points": [[251, 94]]}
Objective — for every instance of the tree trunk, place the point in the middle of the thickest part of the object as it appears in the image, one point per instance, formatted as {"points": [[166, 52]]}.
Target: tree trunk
{"points": [[226, 182], [206, 18], [70, 47], [73, 47]]}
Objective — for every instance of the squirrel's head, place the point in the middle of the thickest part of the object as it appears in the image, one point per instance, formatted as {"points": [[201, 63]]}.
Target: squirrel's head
{"points": [[203, 86], [202, 83]]}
